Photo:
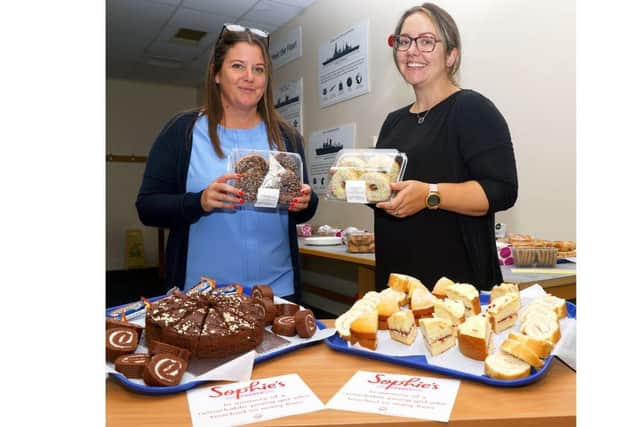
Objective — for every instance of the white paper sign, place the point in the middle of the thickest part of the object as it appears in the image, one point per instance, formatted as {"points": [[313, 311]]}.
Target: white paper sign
{"points": [[399, 395], [267, 198], [325, 145], [251, 401], [343, 65], [287, 48], [288, 102]]}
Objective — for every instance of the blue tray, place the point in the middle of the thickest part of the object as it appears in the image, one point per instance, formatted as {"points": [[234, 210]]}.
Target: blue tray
{"points": [[419, 362], [147, 389]]}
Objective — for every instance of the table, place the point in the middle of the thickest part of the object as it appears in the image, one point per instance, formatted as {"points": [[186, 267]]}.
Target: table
{"points": [[365, 263], [551, 401], [554, 281]]}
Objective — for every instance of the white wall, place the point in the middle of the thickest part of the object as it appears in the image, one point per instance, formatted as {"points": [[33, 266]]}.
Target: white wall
{"points": [[518, 53], [135, 114]]}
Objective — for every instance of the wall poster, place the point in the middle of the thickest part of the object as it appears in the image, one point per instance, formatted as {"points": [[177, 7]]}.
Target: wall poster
{"points": [[288, 102], [343, 66], [324, 146], [286, 48]]}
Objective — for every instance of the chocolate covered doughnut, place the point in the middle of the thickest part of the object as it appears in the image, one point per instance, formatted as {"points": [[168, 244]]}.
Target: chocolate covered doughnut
{"points": [[305, 323], [120, 341], [288, 161], [164, 369], [252, 163], [132, 365], [284, 325], [289, 187], [249, 183]]}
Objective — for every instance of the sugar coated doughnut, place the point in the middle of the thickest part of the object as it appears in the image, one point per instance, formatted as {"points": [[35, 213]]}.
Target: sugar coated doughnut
{"points": [[385, 164], [337, 183], [377, 187], [351, 161]]}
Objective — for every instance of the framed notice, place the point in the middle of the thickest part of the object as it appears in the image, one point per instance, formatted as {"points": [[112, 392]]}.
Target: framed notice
{"points": [[325, 146], [343, 65], [288, 102], [286, 48]]}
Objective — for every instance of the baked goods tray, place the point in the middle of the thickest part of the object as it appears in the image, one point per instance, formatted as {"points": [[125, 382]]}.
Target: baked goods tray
{"points": [[140, 387], [420, 362]]}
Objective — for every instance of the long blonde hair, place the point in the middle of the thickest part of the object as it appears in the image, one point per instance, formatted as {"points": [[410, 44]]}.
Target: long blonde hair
{"points": [[273, 121]]}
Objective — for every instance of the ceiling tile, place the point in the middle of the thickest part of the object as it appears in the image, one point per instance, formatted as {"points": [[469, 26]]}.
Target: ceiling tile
{"points": [[272, 13], [234, 9], [172, 50], [300, 3], [198, 20]]}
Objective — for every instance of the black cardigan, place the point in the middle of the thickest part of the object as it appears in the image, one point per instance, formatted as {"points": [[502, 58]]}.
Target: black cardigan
{"points": [[163, 201]]}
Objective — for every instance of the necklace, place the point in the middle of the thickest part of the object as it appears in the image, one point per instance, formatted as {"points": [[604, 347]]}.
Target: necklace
{"points": [[421, 119]]}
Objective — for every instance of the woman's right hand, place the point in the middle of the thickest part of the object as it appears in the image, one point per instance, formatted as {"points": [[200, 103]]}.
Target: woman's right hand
{"points": [[221, 195]]}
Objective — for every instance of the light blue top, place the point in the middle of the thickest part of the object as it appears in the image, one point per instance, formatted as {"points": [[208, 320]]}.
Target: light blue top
{"points": [[247, 245]]}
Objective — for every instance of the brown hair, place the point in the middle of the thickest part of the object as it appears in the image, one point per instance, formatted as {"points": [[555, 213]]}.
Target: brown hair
{"points": [[445, 25], [273, 121]]}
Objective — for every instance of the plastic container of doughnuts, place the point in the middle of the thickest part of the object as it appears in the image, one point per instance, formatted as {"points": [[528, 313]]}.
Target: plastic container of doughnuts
{"points": [[365, 175], [268, 178]]}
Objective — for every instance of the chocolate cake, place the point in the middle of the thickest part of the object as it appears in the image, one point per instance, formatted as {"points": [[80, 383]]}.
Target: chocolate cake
{"points": [[212, 325]]}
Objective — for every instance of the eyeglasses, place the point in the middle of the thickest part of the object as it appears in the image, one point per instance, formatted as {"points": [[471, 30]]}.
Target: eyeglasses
{"points": [[403, 43], [241, 28]]}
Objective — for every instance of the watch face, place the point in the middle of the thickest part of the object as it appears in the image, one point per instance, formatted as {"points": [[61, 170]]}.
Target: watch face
{"points": [[433, 200]]}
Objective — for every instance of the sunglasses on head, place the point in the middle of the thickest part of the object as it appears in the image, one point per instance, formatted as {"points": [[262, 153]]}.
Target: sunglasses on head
{"points": [[241, 28]]}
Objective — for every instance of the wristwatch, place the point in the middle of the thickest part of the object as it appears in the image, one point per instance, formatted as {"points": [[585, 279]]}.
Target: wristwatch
{"points": [[432, 201]]}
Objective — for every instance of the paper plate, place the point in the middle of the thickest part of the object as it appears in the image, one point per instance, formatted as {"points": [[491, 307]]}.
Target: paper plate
{"points": [[323, 241]]}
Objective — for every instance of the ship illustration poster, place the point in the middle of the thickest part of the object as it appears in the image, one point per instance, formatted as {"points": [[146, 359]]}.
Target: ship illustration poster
{"points": [[324, 148], [343, 65], [288, 102]]}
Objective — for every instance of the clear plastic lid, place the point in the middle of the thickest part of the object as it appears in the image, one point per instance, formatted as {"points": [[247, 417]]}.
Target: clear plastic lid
{"points": [[365, 175], [268, 178]]}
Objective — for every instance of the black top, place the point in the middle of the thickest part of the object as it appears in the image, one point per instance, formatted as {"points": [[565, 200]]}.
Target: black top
{"points": [[163, 201], [462, 138]]}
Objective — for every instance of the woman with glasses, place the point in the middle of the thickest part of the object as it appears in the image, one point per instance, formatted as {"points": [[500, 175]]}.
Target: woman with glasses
{"points": [[186, 185], [461, 167]]}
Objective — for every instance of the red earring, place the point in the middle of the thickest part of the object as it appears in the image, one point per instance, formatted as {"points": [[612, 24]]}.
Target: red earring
{"points": [[390, 40]]}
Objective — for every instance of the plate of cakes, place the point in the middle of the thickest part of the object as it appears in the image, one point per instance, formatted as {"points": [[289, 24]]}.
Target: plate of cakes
{"points": [[170, 342], [505, 337]]}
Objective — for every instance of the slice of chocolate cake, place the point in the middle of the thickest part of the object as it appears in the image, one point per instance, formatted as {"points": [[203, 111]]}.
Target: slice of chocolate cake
{"points": [[186, 332]]}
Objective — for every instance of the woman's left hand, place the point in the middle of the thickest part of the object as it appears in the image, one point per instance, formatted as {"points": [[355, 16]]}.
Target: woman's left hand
{"points": [[301, 202], [408, 201]]}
